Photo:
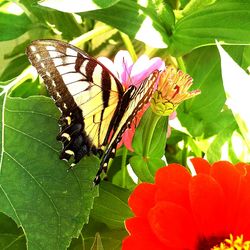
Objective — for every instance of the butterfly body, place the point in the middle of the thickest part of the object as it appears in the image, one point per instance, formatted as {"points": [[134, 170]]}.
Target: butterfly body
{"points": [[95, 107]]}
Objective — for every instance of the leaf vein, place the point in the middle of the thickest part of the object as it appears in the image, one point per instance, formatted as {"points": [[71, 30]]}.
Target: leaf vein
{"points": [[32, 137], [44, 191]]}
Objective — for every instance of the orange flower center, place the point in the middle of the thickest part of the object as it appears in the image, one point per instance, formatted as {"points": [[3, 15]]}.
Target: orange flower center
{"points": [[233, 244]]}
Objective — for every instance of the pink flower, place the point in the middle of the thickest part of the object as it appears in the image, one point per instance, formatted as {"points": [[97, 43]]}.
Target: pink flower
{"points": [[132, 73]]}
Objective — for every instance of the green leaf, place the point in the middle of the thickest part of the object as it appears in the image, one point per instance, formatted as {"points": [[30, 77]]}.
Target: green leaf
{"points": [[221, 122], [49, 23], [214, 152], [148, 160], [111, 238], [159, 138], [164, 13], [158, 143], [36, 191], [13, 26], [226, 21], [77, 5], [97, 245], [204, 67], [139, 22], [29, 88], [15, 67], [111, 207], [141, 169], [236, 84], [194, 5], [11, 237]]}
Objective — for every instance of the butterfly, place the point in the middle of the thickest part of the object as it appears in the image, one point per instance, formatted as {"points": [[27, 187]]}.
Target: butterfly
{"points": [[95, 107]]}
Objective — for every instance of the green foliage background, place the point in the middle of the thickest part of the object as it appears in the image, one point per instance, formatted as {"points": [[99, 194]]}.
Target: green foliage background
{"points": [[42, 205]]}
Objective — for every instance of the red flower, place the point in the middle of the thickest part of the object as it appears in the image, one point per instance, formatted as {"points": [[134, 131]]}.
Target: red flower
{"points": [[184, 212]]}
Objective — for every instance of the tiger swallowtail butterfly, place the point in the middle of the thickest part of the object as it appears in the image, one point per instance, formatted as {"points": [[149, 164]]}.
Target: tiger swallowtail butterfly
{"points": [[95, 107]]}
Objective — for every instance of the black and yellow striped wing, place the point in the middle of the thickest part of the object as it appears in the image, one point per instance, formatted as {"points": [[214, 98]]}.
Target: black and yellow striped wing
{"points": [[86, 92], [132, 102], [95, 108]]}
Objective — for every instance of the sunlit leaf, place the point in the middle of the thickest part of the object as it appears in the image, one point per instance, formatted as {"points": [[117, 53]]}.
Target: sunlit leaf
{"points": [[13, 26], [140, 23], [14, 68], [203, 65], [35, 188], [226, 21], [77, 5], [111, 206], [237, 87]]}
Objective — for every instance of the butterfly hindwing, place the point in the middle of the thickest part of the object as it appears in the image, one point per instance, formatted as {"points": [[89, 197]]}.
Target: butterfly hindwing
{"points": [[86, 92]]}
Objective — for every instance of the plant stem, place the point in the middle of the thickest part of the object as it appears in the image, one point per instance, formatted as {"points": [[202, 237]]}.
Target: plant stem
{"points": [[149, 131], [124, 166], [129, 45], [184, 152], [181, 64], [91, 34]]}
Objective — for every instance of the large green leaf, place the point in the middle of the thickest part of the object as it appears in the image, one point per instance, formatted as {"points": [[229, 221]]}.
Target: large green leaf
{"points": [[111, 207], [204, 66], [138, 22], [145, 168], [159, 138], [13, 26], [48, 202], [198, 114], [11, 237], [49, 23], [147, 161], [15, 67], [214, 152], [227, 21], [236, 84], [110, 238]]}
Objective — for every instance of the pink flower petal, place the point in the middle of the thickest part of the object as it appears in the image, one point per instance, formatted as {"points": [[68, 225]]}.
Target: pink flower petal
{"points": [[123, 64], [143, 67]]}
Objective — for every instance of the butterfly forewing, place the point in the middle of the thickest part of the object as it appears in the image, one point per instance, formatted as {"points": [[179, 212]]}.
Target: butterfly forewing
{"points": [[133, 101], [85, 91]]}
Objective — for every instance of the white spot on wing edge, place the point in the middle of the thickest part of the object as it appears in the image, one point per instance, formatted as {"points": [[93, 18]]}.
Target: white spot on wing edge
{"points": [[50, 47], [71, 52], [48, 74], [38, 57], [33, 48]]}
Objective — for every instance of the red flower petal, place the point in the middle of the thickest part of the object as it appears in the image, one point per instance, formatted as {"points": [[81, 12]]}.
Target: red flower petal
{"points": [[208, 205], [229, 178], [173, 225], [142, 236], [132, 243], [201, 165], [142, 199], [242, 167], [242, 226], [172, 182]]}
